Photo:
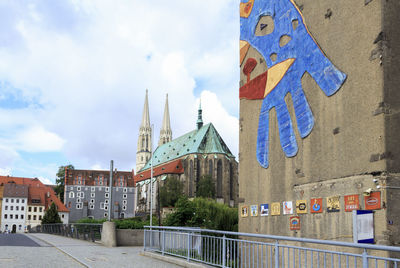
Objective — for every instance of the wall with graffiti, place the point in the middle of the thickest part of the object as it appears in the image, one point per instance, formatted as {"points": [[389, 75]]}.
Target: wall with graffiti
{"points": [[276, 29]]}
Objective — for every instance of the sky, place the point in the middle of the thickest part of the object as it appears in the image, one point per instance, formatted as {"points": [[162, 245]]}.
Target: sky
{"points": [[73, 77]]}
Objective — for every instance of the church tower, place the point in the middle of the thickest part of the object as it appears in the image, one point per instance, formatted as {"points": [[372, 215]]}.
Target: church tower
{"points": [[165, 132], [143, 153]]}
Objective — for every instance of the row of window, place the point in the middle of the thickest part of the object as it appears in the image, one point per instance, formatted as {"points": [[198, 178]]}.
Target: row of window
{"points": [[19, 227], [12, 207], [92, 195], [16, 200], [34, 217], [12, 216], [107, 189], [35, 209], [100, 180], [102, 206]]}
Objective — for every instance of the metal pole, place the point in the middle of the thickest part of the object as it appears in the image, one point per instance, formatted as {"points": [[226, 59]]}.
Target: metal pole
{"points": [[111, 183], [151, 176]]}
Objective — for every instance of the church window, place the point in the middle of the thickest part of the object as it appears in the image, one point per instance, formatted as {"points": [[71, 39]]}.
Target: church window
{"points": [[71, 195], [219, 179], [230, 181], [210, 168], [191, 178]]}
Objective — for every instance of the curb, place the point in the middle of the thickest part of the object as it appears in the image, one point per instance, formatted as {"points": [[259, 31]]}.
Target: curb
{"points": [[173, 260]]}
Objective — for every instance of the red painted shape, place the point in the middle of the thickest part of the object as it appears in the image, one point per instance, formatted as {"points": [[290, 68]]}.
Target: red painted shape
{"points": [[254, 89], [373, 201], [247, 7], [249, 66]]}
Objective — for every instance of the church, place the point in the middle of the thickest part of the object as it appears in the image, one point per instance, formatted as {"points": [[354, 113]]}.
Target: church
{"points": [[199, 152]]}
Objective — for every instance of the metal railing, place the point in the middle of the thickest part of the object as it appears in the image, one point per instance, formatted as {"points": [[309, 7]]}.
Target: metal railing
{"points": [[85, 231], [233, 249]]}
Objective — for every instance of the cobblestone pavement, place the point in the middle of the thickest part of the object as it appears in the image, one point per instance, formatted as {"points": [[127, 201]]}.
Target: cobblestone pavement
{"points": [[79, 253]]}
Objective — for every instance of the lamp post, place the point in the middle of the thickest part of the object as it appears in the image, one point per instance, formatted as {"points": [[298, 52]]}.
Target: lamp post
{"points": [[151, 176], [111, 184]]}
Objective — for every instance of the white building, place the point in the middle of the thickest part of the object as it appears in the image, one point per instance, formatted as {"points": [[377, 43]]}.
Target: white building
{"points": [[14, 206]]}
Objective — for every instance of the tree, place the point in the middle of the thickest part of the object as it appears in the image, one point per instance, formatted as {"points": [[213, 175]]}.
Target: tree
{"points": [[51, 215], [206, 187], [170, 192], [59, 189]]}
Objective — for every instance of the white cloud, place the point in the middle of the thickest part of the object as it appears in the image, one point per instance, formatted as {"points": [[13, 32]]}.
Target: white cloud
{"points": [[85, 66], [5, 171], [46, 180]]}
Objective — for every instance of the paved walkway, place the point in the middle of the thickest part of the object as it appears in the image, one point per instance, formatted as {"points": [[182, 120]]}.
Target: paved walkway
{"points": [[59, 251]]}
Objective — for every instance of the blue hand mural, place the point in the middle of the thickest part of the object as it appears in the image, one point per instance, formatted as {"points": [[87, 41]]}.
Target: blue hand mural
{"points": [[305, 56]]}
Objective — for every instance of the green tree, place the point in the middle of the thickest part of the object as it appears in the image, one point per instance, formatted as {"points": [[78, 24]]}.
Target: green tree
{"points": [[170, 192], [59, 189], [206, 187], [51, 215]]}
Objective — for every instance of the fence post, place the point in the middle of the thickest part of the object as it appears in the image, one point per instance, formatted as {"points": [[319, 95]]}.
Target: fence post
{"points": [[223, 251], [277, 254], [144, 239], [163, 242], [365, 258], [188, 252]]}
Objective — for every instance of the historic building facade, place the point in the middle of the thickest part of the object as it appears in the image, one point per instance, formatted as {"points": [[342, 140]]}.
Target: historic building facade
{"points": [[88, 194], [189, 157]]}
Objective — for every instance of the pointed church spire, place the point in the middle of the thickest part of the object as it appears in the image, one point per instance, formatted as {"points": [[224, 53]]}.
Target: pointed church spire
{"points": [[144, 140], [199, 117], [165, 132], [146, 116]]}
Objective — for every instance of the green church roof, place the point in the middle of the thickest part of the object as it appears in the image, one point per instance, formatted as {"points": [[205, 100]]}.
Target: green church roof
{"points": [[205, 140]]}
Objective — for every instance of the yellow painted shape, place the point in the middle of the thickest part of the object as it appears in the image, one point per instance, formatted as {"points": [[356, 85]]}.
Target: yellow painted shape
{"points": [[244, 47], [275, 209], [276, 73], [243, 12], [298, 210]]}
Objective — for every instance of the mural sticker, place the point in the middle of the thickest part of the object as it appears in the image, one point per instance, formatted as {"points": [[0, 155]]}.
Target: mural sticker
{"points": [[294, 223], [264, 210], [276, 29], [275, 209], [373, 201], [301, 206], [316, 205], [254, 210], [333, 204], [244, 211], [351, 202], [287, 207]]}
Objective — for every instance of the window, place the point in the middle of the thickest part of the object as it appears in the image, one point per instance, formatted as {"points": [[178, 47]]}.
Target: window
{"points": [[124, 202], [78, 188], [6, 207], [106, 201], [71, 188], [22, 216], [219, 179], [30, 209], [107, 195], [16, 208], [78, 206], [92, 189], [78, 200], [92, 201], [123, 207], [124, 196], [62, 216], [105, 215], [22, 201], [71, 195], [35, 209], [6, 199], [101, 205], [12, 200], [40, 209], [11, 216], [69, 204], [22, 208], [29, 217], [17, 200], [126, 189], [6, 226], [107, 189], [16, 216], [122, 215], [92, 195], [105, 207], [91, 206], [5, 216], [11, 207], [19, 227], [34, 217], [40, 217]]}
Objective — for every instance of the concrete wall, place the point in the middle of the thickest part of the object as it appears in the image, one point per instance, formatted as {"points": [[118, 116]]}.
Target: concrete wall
{"points": [[128, 237], [354, 138]]}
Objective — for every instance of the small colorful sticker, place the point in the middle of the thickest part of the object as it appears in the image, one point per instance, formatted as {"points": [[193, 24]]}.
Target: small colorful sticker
{"points": [[275, 209], [294, 223], [254, 210], [264, 210], [301, 206], [373, 201], [351, 202], [316, 205], [333, 204], [244, 211], [287, 207]]}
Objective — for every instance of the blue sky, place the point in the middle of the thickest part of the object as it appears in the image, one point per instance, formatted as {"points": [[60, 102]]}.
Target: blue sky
{"points": [[73, 76]]}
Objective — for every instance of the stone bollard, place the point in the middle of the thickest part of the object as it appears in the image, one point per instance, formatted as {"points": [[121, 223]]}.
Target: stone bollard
{"points": [[108, 234]]}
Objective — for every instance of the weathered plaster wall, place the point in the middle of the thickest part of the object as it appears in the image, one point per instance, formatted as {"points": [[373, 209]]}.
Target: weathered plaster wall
{"points": [[354, 138]]}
